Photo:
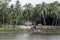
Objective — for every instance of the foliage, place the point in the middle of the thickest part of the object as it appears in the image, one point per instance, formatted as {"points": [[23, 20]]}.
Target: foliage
{"points": [[45, 14], [11, 29]]}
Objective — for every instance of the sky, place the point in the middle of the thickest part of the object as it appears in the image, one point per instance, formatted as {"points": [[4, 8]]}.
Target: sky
{"points": [[33, 2]]}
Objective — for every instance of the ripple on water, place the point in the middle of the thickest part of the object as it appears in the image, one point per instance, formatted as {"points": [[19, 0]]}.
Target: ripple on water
{"points": [[28, 37]]}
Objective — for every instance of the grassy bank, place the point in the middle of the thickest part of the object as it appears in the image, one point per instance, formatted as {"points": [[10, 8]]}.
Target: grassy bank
{"points": [[11, 29], [50, 30], [14, 30], [21, 30]]}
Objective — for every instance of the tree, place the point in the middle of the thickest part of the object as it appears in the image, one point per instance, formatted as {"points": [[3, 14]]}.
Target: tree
{"points": [[54, 12], [4, 7], [18, 11], [28, 11], [43, 12], [11, 14]]}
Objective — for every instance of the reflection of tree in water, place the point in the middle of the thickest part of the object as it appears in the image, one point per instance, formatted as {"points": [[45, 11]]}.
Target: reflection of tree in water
{"points": [[39, 37], [34, 37], [7, 36], [30, 37]]}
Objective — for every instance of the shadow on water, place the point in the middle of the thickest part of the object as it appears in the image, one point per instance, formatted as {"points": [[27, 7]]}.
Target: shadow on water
{"points": [[43, 37], [39, 37], [28, 37]]}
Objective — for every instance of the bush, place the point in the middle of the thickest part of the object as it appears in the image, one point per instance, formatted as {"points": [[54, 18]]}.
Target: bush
{"points": [[11, 29], [1, 25]]}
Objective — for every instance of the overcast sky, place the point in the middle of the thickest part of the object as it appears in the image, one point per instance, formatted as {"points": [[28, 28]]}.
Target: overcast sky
{"points": [[33, 2]]}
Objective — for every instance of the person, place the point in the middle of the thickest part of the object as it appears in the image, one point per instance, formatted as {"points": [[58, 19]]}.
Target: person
{"points": [[34, 26]]}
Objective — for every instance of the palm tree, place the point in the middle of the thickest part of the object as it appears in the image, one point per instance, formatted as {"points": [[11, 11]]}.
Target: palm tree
{"points": [[43, 12], [18, 11], [11, 13], [28, 11], [55, 12], [4, 7]]}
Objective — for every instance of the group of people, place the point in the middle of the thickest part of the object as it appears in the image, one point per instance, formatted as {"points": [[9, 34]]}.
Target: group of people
{"points": [[35, 28]]}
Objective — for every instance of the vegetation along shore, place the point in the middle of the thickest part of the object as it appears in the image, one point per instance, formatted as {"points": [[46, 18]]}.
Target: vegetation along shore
{"points": [[46, 14]]}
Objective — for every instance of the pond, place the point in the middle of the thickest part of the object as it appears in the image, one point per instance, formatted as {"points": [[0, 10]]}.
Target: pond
{"points": [[28, 37]]}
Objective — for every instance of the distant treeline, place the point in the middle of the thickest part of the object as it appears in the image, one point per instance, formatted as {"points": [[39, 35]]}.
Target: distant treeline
{"points": [[14, 14]]}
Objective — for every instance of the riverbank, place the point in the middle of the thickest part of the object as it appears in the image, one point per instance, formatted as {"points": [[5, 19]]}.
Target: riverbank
{"points": [[50, 31], [14, 30], [25, 30]]}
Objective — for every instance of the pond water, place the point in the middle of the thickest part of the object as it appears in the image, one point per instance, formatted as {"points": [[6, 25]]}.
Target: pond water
{"points": [[28, 37]]}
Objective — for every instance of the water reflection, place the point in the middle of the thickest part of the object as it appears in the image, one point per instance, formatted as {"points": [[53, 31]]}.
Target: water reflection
{"points": [[28, 37], [39, 37]]}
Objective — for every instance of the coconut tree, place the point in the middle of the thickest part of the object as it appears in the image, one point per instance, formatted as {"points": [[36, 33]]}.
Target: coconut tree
{"points": [[18, 11], [4, 7], [36, 13], [55, 12], [11, 13], [28, 11], [43, 12]]}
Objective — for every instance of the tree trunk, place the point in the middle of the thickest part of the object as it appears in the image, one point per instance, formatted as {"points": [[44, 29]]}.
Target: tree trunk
{"points": [[43, 18], [56, 21], [3, 21], [11, 21], [53, 22], [44, 22], [16, 21]]}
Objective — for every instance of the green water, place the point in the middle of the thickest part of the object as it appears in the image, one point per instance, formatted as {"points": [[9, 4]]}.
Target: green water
{"points": [[28, 37]]}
